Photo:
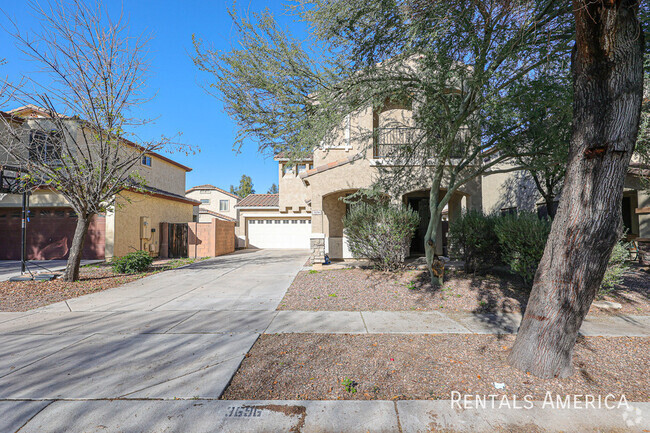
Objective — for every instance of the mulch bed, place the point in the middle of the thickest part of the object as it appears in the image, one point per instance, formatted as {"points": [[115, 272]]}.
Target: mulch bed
{"points": [[383, 367], [368, 289], [26, 295]]}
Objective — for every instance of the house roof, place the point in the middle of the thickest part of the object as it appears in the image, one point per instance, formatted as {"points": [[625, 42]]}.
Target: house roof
{"points": [[259, 200], [209, 187], [216, 214], [24, 110], [157, 192], [330, 166], [283, 156]]}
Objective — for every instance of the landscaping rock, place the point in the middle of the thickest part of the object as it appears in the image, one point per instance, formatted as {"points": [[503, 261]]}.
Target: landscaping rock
{"points": [[607, 305]]}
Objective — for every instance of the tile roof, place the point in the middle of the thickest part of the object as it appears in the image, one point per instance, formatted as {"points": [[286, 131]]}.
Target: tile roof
{"points": [[207, 186], [330, 165], [157, 192], [259, 200], [216, 214]]}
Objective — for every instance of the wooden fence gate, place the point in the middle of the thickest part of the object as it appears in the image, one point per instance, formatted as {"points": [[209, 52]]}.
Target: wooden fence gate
{"points": [[173, 240]]}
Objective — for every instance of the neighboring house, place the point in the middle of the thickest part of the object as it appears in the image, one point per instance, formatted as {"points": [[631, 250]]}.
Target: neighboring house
{"points": [[215, 203], [308, 211], [132, 224]]}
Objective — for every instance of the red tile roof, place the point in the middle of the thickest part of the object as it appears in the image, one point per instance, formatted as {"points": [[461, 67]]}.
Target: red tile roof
{"points": [[216, 215], [207, 186], [259, 200]]}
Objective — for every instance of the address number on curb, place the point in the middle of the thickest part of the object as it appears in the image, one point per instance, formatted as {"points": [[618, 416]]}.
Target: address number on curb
{"points": [[243, 412]]}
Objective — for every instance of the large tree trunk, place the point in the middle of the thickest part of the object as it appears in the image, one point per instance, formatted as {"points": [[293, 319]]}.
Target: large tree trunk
{"points": [[74, 259], [607, 68], [434, 264]]}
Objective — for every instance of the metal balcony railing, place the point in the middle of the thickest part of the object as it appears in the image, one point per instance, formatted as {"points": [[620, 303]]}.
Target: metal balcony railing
{"points": [[403, 143]]}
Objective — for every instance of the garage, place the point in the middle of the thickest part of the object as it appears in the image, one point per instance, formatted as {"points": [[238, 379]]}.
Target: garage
{"points": [[282, 233], [49, 234]]}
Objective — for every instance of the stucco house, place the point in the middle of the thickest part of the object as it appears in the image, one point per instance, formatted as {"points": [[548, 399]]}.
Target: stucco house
{"points": [[215, 203], [308, 212], [131, 224]]}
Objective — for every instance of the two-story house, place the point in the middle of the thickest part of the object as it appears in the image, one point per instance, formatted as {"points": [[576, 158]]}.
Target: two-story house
{"points": [[308, 211], [132, 223], [215, 203]]}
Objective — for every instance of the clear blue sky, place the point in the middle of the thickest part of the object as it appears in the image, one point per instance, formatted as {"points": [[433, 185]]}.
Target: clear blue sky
{"points": [[181, 105]]}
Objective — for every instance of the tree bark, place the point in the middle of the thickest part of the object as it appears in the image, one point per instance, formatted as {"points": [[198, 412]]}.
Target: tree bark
{"points": [[74, 259], [607, 65], [434, 264]]}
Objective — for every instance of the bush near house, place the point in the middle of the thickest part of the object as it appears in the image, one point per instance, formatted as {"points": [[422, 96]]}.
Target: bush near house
{"points": [[473, 240], [517, 240], [522, 238], [134, 262], [380, 232]]}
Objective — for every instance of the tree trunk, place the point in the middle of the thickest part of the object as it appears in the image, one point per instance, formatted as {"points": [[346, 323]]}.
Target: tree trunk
{"points": [[607, 67], [434, 264], [74, 259]]}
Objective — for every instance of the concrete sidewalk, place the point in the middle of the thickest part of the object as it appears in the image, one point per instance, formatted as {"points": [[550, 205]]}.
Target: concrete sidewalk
{"points": [[435, 322], [198, 416]]}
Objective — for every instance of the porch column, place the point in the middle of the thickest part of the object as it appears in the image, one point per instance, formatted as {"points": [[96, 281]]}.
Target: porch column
{"points": [[317, 238]]}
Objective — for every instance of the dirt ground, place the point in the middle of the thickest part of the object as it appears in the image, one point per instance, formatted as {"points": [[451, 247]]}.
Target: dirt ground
{"points": [[26, 295], [381, 367], [368, 289]]}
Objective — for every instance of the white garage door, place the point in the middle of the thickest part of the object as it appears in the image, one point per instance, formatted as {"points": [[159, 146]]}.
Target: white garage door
{"points": [[279, 233]]}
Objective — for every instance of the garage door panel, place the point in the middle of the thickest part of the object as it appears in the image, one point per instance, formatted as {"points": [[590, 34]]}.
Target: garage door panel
{"points": [[279, 233]]}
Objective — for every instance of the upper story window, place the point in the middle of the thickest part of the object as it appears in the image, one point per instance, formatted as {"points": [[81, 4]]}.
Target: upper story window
{"points": [[146, 160], [302, 168], [287, 169], [45, 147], [205, 201], [223, 205]]}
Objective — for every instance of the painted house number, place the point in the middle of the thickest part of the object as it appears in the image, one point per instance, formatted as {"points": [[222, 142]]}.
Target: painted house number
{"points": [[243, 412]]}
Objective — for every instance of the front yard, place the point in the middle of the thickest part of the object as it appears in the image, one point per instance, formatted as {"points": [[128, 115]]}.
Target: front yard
{"points": [[384, 367], [367, 289], [26, 295]]}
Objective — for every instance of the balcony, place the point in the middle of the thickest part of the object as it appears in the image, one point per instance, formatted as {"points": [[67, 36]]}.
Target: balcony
{"points": [[402, 143]]}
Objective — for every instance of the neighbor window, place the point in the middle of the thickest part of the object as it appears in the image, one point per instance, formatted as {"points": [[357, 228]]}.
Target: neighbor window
{"points": [[269, 221], [45, 147], [205, 201], [146, 160], [223, 205]]}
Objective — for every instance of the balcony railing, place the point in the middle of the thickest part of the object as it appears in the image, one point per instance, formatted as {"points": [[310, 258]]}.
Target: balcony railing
{"points": [[403, 143]]}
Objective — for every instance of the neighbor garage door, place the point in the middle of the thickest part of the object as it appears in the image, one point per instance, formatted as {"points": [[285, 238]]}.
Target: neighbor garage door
{"points": [[49, 234], [279, 233]]}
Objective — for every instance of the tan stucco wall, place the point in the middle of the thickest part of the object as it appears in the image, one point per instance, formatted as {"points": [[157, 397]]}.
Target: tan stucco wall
{"points": [[215, 197], [294, 194], [163, 175], [126, 230], [507, 190], [40, 198]]}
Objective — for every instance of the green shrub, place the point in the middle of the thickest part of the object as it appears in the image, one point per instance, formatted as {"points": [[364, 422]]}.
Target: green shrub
{"points": [[616, 268], [472, 239], [380, 232], [134, 262], [522, 238]]}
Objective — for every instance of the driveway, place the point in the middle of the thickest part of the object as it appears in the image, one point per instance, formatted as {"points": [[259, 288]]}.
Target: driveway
{"points": [[176, 335], [11, 268]]}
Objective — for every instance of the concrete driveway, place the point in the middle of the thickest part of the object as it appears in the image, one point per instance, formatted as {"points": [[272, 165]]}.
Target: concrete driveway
{"points": [[176, 335], [11, 268]]}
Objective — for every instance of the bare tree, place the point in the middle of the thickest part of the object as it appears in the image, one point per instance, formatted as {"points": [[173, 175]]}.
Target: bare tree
{"points": [[607, 67], [91, 78]]}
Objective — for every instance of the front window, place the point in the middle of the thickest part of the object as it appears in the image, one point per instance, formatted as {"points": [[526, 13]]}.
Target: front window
{"points": [[205, 201], [146, 160], [45, 147], [223, 205]]}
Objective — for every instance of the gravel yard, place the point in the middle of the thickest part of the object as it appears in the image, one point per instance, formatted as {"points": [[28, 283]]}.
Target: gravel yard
{"points": [[26, 295], [366, 290], [382, 367]]}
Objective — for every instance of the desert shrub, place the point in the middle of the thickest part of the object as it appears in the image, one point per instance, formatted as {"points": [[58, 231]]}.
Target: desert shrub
{"points": [[136, 261], [522, 238], [472, 239], [380, 232], [616, 268]]}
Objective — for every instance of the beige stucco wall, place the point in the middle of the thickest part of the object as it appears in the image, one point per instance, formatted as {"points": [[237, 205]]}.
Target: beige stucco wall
{"points": [[163, 175], [294, 195], [126, 220], [215, 197], [39, 198], [508, 190]]}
